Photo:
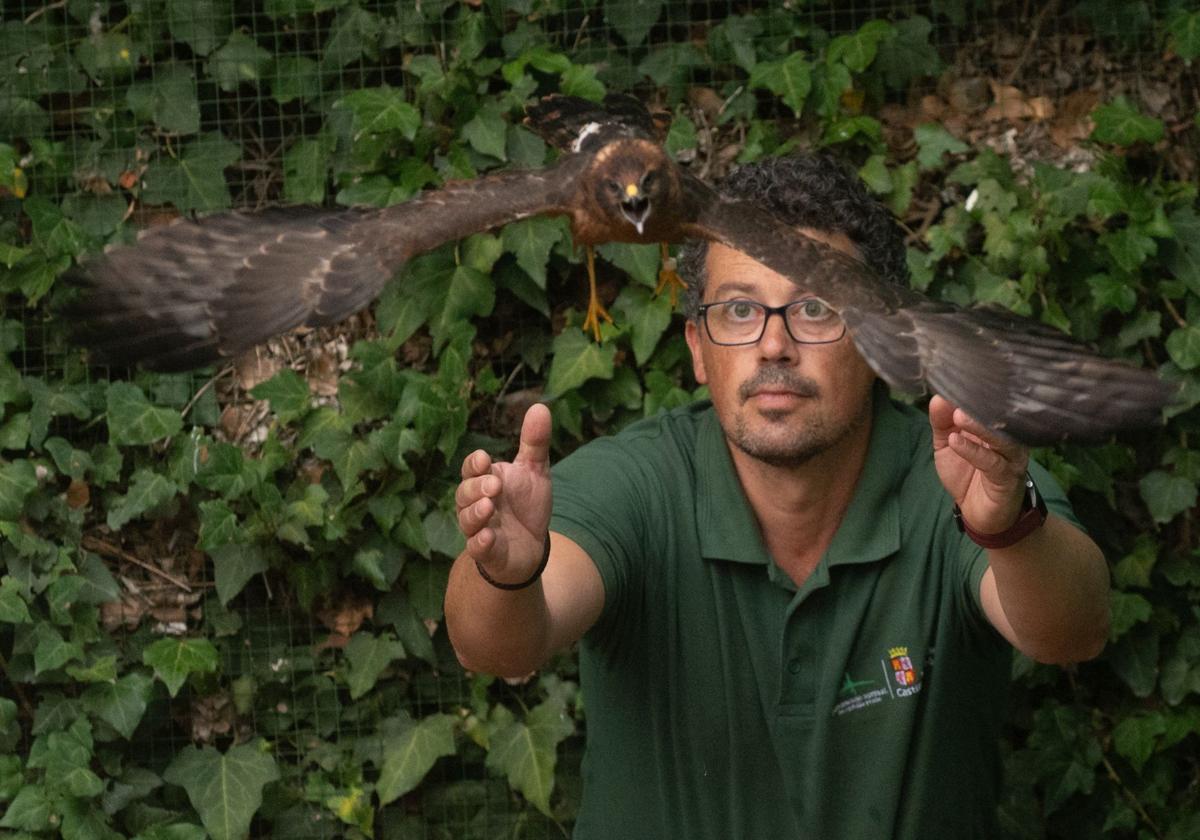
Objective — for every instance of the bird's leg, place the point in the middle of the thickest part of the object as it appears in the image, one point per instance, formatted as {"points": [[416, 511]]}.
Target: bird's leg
{"points": [[596, 310], [668, 278]]}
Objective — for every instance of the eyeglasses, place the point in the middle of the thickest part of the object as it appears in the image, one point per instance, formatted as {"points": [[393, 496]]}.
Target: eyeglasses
{"points": [[742, 321]]}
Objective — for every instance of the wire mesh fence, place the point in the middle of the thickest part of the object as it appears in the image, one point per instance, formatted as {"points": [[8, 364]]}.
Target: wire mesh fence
{"points": [[138, 111]]}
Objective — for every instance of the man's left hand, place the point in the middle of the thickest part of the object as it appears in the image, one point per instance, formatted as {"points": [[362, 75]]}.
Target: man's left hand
{"points": [[983, 472]]}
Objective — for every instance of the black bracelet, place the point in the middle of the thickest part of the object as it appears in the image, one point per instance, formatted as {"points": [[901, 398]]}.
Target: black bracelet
{"points": [[509, 587]]}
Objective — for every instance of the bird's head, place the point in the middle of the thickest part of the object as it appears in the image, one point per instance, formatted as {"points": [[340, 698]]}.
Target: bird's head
{"points": [[634, 184]]}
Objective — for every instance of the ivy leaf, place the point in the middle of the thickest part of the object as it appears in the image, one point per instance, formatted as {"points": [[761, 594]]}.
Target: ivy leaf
{"points": [[287, 392], [646, 316], [1167, 495], [531, 240], [1135, 659], [226, 471], [1112, 293], [640, 262], [174, 659], [294, 77], [909, 55], [380, 110], [52, 650], [147, 491], [239, 60], [1181, 670], [17, 480], [1129, 247], [857, 51], [1120, 123], [225, 790], [168, 100], [1181, 255], [201, 24], [13, 609], [526, 752], [934, 142], [1183, 32], [196, 180], [30, 811], [790, 79], [367, 656], [409, 757], [487, 131], [577, 358], [233, 566], [354, 34], [632, 19], [1136, 737], [120, 704], [1183, 345], [133, 420]]}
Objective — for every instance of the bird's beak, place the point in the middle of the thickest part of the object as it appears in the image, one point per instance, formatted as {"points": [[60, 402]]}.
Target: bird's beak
{"points": [[635, 207]]}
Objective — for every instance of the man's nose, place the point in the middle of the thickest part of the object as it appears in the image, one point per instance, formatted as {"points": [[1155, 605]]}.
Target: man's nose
{"points": [[776, 342]]}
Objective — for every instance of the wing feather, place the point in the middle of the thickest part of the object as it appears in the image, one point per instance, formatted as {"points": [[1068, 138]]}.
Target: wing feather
{"points": [[196, 291]]}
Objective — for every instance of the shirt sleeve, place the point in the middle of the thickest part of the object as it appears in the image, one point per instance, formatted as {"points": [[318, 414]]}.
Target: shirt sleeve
{"points": [[603, 497]]}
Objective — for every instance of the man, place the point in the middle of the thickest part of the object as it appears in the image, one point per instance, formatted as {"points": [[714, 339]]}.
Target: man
{"points": [[785, 634]]}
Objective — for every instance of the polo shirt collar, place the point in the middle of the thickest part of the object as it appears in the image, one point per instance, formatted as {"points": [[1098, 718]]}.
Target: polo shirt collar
{"points": [[870, 529]]}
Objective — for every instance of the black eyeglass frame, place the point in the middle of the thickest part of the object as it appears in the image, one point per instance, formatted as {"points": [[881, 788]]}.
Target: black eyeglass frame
{"points": [[781, 311]]}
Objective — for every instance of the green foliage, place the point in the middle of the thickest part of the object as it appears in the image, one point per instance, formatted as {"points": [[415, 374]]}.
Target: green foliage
{"points": [[260, 569]]}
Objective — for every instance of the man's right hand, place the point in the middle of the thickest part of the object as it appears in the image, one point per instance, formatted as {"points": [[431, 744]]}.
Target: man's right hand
{"points": [[504, 508]]}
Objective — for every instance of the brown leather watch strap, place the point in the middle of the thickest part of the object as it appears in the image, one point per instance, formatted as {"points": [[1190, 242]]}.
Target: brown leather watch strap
{"points": [[1033, 516]]}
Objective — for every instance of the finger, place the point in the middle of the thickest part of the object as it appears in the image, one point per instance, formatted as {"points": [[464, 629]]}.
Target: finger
{"points": [[535, 437], [979, 454], [941, 419], [477, 463], [472, 490], [479, 546], [472, 519], [1008, 448]]}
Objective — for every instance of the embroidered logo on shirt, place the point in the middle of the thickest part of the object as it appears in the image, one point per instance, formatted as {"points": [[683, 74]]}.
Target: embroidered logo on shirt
{"points": [[901, 680], [902, 667]]}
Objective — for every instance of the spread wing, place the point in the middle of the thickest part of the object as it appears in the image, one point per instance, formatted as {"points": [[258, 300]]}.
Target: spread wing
{"points": [[1013, 374], [196, 291]]}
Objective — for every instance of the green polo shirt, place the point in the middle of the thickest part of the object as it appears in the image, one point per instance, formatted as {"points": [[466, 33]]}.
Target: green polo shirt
{"points": [[723, 702]]}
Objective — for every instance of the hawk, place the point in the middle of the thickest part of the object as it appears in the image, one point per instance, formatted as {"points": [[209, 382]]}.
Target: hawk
{"points": [[197, 291]]}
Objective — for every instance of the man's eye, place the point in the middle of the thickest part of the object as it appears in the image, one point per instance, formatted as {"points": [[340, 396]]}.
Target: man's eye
{"points": [[814, 310], [742, 310]]}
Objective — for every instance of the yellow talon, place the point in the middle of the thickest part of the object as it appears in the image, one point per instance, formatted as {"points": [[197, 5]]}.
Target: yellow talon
{"points": [[596, 310], [668, 278]]}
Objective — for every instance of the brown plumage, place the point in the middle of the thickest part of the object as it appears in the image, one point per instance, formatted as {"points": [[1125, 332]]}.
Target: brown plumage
{"points": [[195, 292]]}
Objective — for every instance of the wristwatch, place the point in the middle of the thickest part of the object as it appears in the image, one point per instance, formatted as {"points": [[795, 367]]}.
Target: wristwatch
{"points": [[1033, 515]]}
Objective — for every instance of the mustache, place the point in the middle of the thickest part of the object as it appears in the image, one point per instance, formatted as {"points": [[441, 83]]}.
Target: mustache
{"points": [[780, 377]]}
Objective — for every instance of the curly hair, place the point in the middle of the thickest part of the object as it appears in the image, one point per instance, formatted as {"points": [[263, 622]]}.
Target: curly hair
{"points": [[814, 191]]}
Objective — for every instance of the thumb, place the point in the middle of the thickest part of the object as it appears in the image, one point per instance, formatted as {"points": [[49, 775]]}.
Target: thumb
{"points": [[535, 438], [941, 420]]}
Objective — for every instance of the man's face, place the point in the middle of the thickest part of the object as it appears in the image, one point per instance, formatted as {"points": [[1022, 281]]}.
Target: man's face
{"points": [[779, 401]]}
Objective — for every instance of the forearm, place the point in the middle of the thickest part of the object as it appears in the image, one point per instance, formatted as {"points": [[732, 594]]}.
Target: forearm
{"points": [[496, 631], [1053, 590]]}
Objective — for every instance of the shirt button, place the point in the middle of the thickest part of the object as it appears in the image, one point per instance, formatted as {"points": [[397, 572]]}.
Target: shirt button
{"points": [[795, 666]]}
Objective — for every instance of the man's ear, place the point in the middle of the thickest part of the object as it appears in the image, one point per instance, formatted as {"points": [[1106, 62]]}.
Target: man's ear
{"points": [[691, 331]]}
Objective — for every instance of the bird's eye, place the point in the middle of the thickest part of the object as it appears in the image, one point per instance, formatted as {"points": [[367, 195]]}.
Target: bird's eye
{"points": [[649, 181], [612, 187]]}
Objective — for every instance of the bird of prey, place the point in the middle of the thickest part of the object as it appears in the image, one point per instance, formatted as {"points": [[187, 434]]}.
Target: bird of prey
{"points": [[198, 291]]}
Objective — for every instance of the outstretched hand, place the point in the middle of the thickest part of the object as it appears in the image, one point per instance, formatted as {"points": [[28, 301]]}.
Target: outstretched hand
{"points": [[504, 507], [983, 472]]}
